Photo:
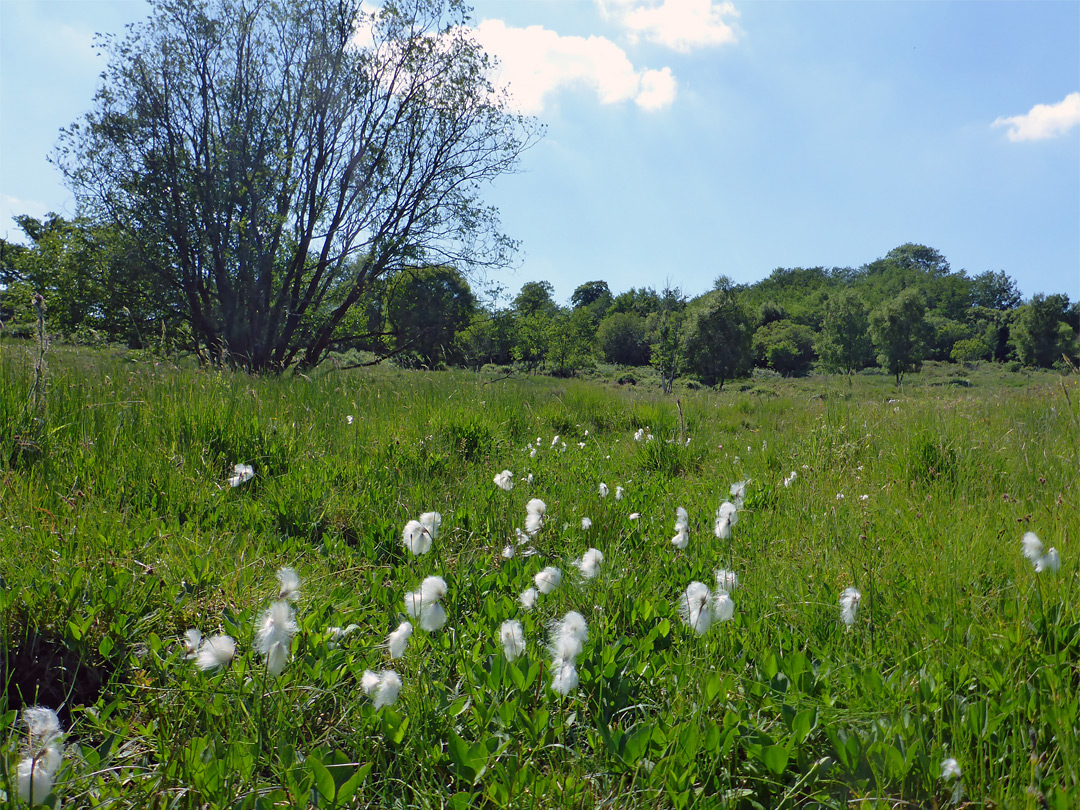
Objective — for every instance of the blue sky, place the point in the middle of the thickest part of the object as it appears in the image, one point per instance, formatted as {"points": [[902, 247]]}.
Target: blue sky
{"points": [[691, 138]]}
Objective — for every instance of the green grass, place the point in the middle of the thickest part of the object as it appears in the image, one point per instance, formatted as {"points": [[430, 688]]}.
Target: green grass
{"points": [[118, 532]]}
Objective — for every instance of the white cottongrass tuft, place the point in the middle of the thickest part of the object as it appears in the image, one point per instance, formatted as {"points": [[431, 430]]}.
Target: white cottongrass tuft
{"points": [[419, 534], [273, 638], [586, 524], [349, 419], [534, 517], [726, 581], [548, 579], [639, 434], [528, 598], [727, 515], [849, 605], [1050, 561], [398, 640], [738, 492], [635, 515], [603, 490], [789, 480], [619, 492], [723, 607], [383, 686], [288, 583], [589, 564], [242, 473], [37, 771], [555, 441], [568, 637], [682, 529], [192, 641], [950, 769], [564, 677], [695, 608], [424, 603], [216, 651], [512, 637], [509, 550], [505, 480], [336, 634], [1032, 548]]}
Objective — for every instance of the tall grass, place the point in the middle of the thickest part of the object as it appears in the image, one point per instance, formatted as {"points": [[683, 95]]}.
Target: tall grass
{"points": [[119, 532]]}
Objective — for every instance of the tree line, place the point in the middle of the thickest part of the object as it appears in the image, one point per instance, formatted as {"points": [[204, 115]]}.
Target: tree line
{"points": [[894, 313]]}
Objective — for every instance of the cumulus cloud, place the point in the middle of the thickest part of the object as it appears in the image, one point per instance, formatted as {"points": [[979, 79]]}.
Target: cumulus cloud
{"points": [[1043, 120], [682, 25], [535, 62]]}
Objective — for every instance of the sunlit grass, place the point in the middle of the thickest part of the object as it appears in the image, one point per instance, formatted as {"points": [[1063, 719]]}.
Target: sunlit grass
{"points": [[119, 531]]}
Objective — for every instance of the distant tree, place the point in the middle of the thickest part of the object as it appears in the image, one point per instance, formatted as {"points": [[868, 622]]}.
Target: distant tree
{"points": [[717, 334], [971, 350], [844, 341], [942, 333], [785, 347], [641, 301], [571, 340], [770, 312], [994, 291], [426, 307], [535, 298], [1040, 331], [489, 338], [898, 331], [667, 341], [621, 339], [589, 293]]}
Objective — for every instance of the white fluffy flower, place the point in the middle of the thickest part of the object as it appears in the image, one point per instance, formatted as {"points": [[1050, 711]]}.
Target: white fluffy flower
{"points": [[849, 605], [241, 474], [619, 492], [433, 617], [723, 607], [950, 769], [35, 777], [534, 516], [383, 686], [288, 583], [548, 579], [568, 636], [789, 480], [727, 515], [528, 598], [726, 581], [1050, 561], [639, 434], [509, 550], [277, 626], [682, 529], [694, 607], [738, 492], [216, 651], [555, 441], [1032, 547], [603, 490], [635, 515], [586, 524], [192, 641], [564, 677], [505, 480], [431, 590], [589, 564], [419, 534], [398, 640], [512, 636]]}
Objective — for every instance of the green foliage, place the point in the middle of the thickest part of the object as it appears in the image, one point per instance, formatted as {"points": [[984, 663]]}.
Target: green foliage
{"points": [[120, 532], [717, 335], [785, 347], [1040, 332], [621, 339], [844, 341], [898, 330], [425, 310]]}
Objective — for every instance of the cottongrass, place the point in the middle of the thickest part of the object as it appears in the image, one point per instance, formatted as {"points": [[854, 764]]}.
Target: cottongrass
{"points": [[950, 769], [603, 490], [192, 641], [726, 581], [512, 637], [383, 686], [738, 492], [589, 564], [695, 607], [548, 580], [36, 771], [505, 480], [420, 534], [1032, 548], [682, 529], [534, 516], [849, 605], [425, 603], [528, 598], [586, 524], [277, 626], [242, 473], [216, 651], [568, 637], [288, 584], [398, 640], [727, 515]]}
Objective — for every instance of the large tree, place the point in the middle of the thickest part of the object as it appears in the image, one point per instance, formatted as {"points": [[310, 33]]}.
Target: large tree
{"points": [[273, 159], [899, 332]]}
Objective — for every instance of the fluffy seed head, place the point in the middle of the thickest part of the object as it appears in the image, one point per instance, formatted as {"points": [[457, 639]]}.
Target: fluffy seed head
{"points": [[431, 590], [416, 538], [564, 676], [586, 524], [276, 658], [849, 605], [528, 598], [619, 492], [399, 639], [950, 769], [681, 539], [433, 617], [589, 564], [726, 517], [192, 640], [603, 490], [512, 636], [694, 607], [288, 583], [277, 625], [548, 579], [505, 480], [35, 780], [1032, 547], [216, 651], [241, 474], [726, 581], [723, 607], [1050, 561], [682, 520]]}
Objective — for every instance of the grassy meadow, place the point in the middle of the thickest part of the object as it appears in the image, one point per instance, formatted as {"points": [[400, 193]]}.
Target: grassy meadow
{"points": [[119, 532]]}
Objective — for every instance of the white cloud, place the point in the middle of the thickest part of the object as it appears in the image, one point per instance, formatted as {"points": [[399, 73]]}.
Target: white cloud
{"points": [[535, 62], [681, 25], [1043, 120]]}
